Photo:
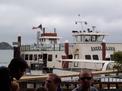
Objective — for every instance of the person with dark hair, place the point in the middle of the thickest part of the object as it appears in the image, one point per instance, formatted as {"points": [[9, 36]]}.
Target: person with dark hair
{"points": [[53, 82], [85, 81], [15, 70], [17, 67]]}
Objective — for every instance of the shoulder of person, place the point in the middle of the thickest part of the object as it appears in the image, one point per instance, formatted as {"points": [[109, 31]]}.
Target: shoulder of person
{"points": [[15, 86], [4, 73], [3, 69]]}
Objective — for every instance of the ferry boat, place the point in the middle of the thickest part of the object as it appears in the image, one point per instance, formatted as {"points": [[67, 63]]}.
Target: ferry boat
{"points": [[88, 50]]}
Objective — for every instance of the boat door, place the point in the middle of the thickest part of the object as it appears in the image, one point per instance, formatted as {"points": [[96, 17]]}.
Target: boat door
{"points": [[44, 59]]}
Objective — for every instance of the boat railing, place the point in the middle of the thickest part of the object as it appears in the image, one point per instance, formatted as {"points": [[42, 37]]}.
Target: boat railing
{"points": [[56, 47], [69, 85]]}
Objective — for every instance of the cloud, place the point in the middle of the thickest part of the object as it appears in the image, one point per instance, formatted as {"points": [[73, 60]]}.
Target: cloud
{"points": [[19, 16]]}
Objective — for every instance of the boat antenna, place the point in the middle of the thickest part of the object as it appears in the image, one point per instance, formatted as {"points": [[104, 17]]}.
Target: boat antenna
{"points": [[54, 30], [93, 27], [43, 29], [81, 22], [38, 33]]}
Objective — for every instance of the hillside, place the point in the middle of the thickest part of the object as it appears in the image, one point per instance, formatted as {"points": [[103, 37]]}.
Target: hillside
{"points": [[5, 45]]}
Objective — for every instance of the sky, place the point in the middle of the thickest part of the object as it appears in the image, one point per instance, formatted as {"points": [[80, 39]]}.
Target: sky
{"points": [[17, 17]]}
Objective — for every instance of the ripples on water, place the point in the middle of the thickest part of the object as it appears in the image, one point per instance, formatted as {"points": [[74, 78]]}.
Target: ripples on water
{"points": [[5, 57]]}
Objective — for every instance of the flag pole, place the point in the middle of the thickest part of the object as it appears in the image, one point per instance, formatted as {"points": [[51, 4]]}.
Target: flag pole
{"points": [[38, 34]]}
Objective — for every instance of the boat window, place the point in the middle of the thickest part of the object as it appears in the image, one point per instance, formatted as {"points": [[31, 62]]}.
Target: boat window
{"points": [[70, 56], [56, 56], [49, 57], [39, 56], [107, 58], [81, 38], [75, 64], [87, 56], [44, 57], [26, 56], [87, 38], [93, 38], [76, 37], [95, 57], [30, 57], [32, 67], [100, 38], [112, 57], [35, 56], [76, 56]]}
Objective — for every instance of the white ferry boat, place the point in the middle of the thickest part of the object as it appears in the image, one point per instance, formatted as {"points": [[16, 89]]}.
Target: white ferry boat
{"points": [[88, 50]]}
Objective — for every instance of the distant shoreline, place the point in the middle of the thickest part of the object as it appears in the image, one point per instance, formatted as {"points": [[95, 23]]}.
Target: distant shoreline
{"points": [[5, 46]]}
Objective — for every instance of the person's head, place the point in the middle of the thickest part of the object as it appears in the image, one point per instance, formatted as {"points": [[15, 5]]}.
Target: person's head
{"points": [[85, 78], [52, 82], [17, 67]]}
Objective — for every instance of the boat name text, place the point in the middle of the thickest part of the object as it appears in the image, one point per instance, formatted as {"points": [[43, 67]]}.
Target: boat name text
{"points": [[99, 48]]}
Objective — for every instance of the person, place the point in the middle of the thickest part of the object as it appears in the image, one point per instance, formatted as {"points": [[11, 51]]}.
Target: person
{"points": [[53, 82], [17, 67], [4, 79], [85, 81], [14, 71]]}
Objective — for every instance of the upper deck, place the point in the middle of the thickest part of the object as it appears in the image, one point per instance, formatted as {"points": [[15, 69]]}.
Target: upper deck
{"points": [[87, 33], [88, 37]]}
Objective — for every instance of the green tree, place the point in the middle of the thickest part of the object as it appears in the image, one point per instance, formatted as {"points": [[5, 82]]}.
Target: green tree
{"points": [[118, 60]]}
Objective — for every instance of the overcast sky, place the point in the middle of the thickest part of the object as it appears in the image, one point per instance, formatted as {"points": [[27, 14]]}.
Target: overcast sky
{"points": [[17, 17]]}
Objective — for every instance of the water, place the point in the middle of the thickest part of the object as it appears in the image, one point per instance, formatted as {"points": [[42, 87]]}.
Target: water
{"points": [[5, 57]]}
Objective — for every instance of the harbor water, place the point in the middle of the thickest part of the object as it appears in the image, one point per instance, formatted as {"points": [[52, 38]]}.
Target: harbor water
{"points": [[5, 57]]}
